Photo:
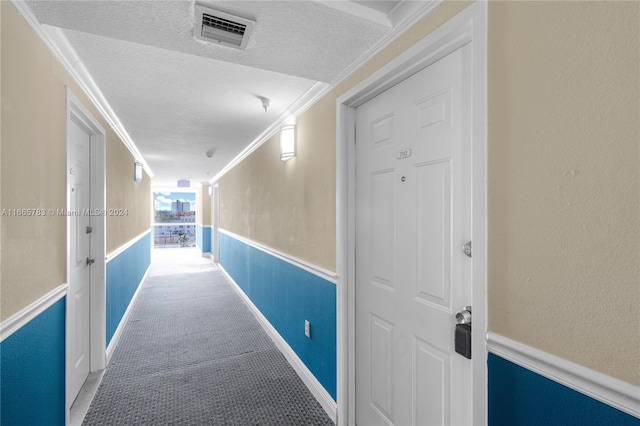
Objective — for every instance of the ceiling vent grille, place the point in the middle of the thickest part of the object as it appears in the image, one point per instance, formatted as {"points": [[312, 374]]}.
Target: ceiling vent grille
{"points": [[222, 28]]}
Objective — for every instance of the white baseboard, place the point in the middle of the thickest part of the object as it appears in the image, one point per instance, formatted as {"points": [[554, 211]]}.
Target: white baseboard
{"points": [[18, 320], [316, 389], [609, 390], [123, 321]]}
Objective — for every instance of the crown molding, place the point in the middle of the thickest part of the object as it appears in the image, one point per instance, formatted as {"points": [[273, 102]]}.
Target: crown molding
{"points": [[310, 97], [358, 10], [59, 45], [405, 15]]}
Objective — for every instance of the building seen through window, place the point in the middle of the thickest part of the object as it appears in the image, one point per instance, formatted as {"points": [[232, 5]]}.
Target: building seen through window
{"points": [[174, 219]]}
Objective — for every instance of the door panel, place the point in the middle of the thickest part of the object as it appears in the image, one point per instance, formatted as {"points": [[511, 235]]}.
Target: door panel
{"points": [[383, 131], [382, 230], [412, 217], [431, 370], [433, 229], [381, 366], [434, 110], [81, 343]]}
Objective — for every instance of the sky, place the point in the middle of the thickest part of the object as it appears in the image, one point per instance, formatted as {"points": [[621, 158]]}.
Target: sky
{"points": [[162, 200]]}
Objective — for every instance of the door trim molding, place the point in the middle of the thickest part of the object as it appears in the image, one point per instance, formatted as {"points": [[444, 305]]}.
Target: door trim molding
{"points": [[77, 112], [469, 26]]}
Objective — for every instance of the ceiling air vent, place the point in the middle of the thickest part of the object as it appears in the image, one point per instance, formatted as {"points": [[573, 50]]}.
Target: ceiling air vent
{"points": [[219, 27]]}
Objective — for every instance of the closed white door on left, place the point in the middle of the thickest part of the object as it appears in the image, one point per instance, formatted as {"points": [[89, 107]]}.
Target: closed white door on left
{"points": [[79, 300]]}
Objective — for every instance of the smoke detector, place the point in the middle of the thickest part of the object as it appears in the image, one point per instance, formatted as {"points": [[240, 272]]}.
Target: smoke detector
{"points": [[222, 28]]}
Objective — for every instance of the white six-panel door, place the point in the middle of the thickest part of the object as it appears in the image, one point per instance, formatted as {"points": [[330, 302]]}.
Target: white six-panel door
{"points": [[79, 300], [413, 215]]}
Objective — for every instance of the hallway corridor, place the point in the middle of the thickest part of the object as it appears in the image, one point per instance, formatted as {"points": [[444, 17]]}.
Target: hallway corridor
{"points": [[192, 353]]}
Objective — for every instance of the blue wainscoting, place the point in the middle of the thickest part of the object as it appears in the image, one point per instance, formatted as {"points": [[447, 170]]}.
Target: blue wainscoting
{"points": [[203, 238], [520, 397], [287, 296], [32, 371], [124, 274]]}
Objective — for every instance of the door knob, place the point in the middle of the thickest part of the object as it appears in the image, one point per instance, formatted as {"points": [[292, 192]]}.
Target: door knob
{"points": [[464, 316]]}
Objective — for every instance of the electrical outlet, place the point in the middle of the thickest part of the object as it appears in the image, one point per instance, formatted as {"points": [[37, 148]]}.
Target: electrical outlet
{"points": [[307, 329]]}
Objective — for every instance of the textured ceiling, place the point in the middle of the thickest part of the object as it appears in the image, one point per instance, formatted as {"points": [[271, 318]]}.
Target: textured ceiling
{"points": [[178, 97], [177, 106], [299, 38]]}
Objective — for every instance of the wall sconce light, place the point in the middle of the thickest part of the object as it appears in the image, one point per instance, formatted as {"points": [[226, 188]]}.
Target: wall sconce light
{"points": [[287, 142], [137, 171]]}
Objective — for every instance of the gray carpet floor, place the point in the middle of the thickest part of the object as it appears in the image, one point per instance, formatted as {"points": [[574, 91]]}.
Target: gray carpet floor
{"points": [[192, 353]]}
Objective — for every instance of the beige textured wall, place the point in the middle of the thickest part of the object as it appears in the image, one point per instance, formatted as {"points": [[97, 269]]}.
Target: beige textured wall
{"points": [[204, 206], [33, 164], [563, 178], [564, 212], [33, 167], [291, 206], [124, 193]]}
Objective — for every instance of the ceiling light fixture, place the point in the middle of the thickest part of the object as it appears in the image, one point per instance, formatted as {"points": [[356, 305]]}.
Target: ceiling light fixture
{"points": [[287, 142]]}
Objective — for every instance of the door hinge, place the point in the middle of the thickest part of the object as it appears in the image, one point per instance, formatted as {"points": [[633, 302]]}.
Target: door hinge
{"points": [[89, 229], [90, 261]]}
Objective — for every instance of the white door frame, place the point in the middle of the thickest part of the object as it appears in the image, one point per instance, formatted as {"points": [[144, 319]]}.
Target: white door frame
{"points": [[77, 113], [469, 26]]}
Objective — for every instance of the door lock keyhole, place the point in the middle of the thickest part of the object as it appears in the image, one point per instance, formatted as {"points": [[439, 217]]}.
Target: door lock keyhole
{"points": [[403, 178]]}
